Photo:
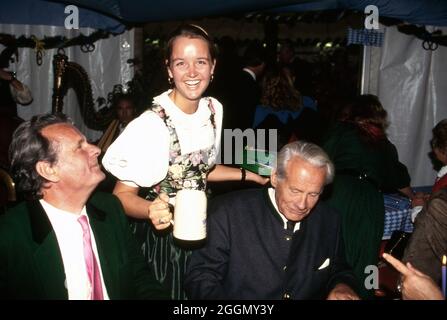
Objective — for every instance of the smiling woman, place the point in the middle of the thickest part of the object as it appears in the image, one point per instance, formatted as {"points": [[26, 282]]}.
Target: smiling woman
{"points": [[172, 146], [190, 67]]}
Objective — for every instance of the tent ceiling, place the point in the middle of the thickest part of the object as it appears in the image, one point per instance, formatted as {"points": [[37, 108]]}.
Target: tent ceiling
{"points": [[40, 12], [149, 10], [110, 15], [428, 12]]}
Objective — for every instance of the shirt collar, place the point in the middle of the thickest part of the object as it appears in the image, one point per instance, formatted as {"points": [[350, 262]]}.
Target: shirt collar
{"points": [[59, 214], [272, 193], [442, 172], [180, 118]]}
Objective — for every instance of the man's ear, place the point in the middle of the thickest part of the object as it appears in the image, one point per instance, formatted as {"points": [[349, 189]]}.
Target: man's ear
{"points": [[47, 171], [274, 178]]}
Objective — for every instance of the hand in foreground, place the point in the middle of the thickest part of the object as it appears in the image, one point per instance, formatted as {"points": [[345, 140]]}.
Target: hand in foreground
{"points": [[159, 212], [415, 284], [342, 292], [251, 176], [5, 75]]}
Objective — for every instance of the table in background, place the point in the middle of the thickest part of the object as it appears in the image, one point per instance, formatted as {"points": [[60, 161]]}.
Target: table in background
{"points": [[397, 214]]}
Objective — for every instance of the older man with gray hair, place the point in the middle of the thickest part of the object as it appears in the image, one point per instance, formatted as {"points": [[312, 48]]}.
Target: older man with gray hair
{"points": [[275, 243]]}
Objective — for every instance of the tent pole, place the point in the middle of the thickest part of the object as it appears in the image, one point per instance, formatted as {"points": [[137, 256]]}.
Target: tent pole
{"points": [[366, 66]]}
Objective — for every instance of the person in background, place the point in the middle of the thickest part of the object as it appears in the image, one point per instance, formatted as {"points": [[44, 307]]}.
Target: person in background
{"points": [[125, 110], [278, 91], [124, 107], [439, 147], [246, 95], [439, 151], [428, 242], [275, 243], [65, 242], [280, 104], [170, 147], [300, 69], [415, 285], [366, 164], [12, 92]]}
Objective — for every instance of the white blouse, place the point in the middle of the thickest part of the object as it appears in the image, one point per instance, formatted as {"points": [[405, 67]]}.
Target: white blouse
{"points": [[140, 155]]}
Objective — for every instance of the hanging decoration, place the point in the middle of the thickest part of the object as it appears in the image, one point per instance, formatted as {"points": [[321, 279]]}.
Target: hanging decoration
{"points": [[86, 43], [430, 40]]}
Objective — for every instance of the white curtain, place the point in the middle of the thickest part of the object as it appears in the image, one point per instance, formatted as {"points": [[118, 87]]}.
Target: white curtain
{"points": [[106, 66], [412, 86]]}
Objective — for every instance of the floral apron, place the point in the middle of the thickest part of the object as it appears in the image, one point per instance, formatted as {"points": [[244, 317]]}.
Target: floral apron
{"points": [[167, 256]]}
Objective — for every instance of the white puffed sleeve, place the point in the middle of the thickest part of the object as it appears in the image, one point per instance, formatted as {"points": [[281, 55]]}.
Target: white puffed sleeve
{"points": [[218, 117], [140, 155]]}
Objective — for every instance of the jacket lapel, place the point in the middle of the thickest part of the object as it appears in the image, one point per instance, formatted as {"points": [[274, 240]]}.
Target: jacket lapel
{"points": [[107, 250], [47, 254]]}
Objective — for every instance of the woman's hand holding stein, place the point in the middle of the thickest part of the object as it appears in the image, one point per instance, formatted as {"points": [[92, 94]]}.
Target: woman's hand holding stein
{"points": [[160, 213]]}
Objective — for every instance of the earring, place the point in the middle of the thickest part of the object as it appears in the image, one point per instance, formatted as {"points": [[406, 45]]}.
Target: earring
{"points": [[170, 80], [212, 78]]}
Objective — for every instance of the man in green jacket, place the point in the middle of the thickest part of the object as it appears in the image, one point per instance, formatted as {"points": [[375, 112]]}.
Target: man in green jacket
{"points": [[66, 243]]}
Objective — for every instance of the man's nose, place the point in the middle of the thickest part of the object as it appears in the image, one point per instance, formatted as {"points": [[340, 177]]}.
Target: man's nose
{"points": [[94, 150], [301, 202]]}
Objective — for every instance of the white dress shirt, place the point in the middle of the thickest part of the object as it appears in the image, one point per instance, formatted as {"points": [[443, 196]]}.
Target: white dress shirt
{"points": [[442, 172], [69, 236], [272, 193], [140, 155]]}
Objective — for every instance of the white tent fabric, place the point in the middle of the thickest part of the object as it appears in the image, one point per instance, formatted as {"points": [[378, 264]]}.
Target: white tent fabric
{"points": [[106, 65], [412, 86]]}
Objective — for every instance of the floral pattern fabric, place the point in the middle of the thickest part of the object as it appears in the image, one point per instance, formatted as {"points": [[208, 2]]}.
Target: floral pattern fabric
{"points": [[186, 171]]}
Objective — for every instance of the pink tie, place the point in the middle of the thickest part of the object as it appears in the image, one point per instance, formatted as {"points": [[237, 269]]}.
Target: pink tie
{"points": [[90, 261]]}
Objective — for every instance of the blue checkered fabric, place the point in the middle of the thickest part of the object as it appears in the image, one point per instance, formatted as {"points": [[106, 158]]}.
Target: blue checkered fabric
{"points": [[365, 37], [397, 214]]}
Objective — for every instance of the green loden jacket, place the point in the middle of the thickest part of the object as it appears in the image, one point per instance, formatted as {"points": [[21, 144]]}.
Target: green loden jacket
{"points": [[31, 264]]}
